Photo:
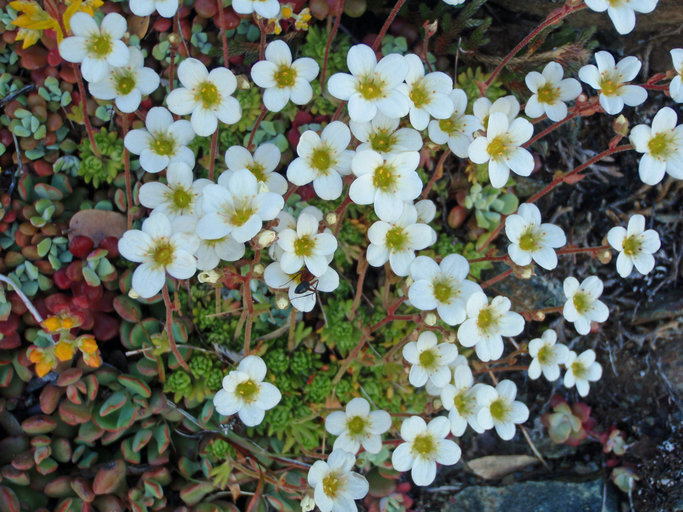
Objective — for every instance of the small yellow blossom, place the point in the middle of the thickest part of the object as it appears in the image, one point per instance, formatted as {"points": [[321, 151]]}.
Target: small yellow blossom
{"points": [[64, 351], [52, 324], [43, 359], [87, 344]]}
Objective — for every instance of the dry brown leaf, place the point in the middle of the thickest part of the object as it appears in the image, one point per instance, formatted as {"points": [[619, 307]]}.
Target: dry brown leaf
{"points": [[97, 224], [138, 25], [497, 466]]}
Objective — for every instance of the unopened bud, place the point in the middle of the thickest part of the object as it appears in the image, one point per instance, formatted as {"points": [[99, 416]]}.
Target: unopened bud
{"points": [[450, 337], [209, 276], [266, 238], [604, 256], [620, 125], [331, 219], [258, 270], [538, 316], [430, 319], [133, 294], [243, 82], [281, 302], [430, 28], [307, 503], [409, 281], [174, 39]]}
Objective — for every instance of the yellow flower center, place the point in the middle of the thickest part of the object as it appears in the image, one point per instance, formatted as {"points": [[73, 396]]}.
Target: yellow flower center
{"points": [[428, 359], [498, 147], [332, 484], [396, 239], [463, 403], [547, 93], [579, 369], [545, 355], [632, 245], [163, 252], [181, 198], [528, 242], [424, 446], [659, 146], [450, 125], [124, 82], [500, 410], [356, 425], [382, 140], [321, 160], [285, 77], [610, 84], [64, 351], [207, 94], [304, 246], [582, 302], [247, 390], [163, 144], [419, 95], [241, 215], [443, 291], [383, 178], [486, 319], [258, 171], [100, 45], [370, 88]]}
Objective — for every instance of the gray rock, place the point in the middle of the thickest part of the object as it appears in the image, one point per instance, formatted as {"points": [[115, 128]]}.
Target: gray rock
{"points": [[551, 496]]}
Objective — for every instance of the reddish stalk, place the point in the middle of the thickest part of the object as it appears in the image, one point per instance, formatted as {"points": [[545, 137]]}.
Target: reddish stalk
{"points": [[262, 42], [550, 128], [126, 163], [256, 125], [333, 33], [438, 173], [497, 278], [214, 146], [224, 39], [171, 70], [341, 212], [361, 270], [387, 24], [84, 106], [169, 327], [553, 18]]}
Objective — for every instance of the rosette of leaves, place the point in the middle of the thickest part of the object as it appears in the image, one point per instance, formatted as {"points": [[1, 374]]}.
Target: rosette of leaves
{"points": [[108, 165], [490, 204]]}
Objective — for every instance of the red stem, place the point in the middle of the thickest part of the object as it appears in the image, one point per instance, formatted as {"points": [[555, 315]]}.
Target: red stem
{"points": [[126, 163], [214, 146], [387, 24], [340, 6], [497, 278], [438, 173], [169, 327], [256, 125], [84, 106], [224, 39]]}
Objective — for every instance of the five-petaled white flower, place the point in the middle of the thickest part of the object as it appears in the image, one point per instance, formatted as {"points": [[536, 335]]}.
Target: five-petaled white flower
{"points": [[428, 94], [397, 241], [501, 148], [179, 196], [532, 240], [163, 142], [262, 165], [387, 182], [611, 80], [206, 95], [622, 12], [460, 400], [425, 445], [662, 145], [165, 8], [264, 8], [486, 324], [499, 409], [323, 159], [456, 130], [306, 246], [442, 286], [676, 84], [358, 426], [546, 356], [429, 360], [96, 48], [238, 209], [582, 306], [550, 92], [581, 370], [635, 245], [303, 297], [482, 108], [159, 250], [245, 393], [372, 86], [126, 84], [335, 485], [282, 79], [383, 135]]}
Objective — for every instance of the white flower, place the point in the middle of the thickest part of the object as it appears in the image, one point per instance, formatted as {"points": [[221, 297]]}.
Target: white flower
{"points": [[662, 145], [159, 250], [487, 323], [582, 306], [428, 94], [372, 85], [358, 426], [500, 410], [581, 370], [387, 182], [635, 245], [532, 240], [501, 148], [245, 393], [622, 12], [397, 241], [611, 80], [429, 360], [264, 8], [676, 84], [550, 92], [424, 446], [547, 356], [433, 390], [163, 142], [482, 108], [206, 95], [96, 48], [454, 2], [238, 209], [443, 286], [305, 298], [210, 252], [336, 486], [180, 196], [460, 400], [283, 79], [323, 159], [383, 135], [306, 246], [457, 130], [286, 220], [165, 8], [262, 165], [126, 84], [426, 211]]}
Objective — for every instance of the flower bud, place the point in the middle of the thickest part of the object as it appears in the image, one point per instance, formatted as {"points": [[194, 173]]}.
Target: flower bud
{"points": [[208, 276], [604, 256], [281, 301], [331, 219], [174, 39], [266, 238], [620, 125], [430, 319], [307, 503], [243, 83], [258, 270], [450, 337], [133, 294], [538, 316]]}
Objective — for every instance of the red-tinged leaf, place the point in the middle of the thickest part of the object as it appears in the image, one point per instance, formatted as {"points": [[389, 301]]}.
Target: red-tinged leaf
{"points": [[88, 433], [6, 374], [49, 398], [127, 309], [8, 500], [113, 403], [41, 440], [187, 467], [73, 396], [41, 453], [40, 424], [109, 477], [193, 493], [153, 488], [70, 376], [162, 434], [23, 462], [68, 505], [61, 449], [43, 190], [141, 439], [574, 178], [58, 488], [135, 385], [82, 488], [47, 466], [91, 386], [74, 414], [127, 451], [15, 476], [161, 475]]}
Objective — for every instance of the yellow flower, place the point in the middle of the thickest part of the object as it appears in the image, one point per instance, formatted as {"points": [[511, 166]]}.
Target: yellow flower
{"points": [[92, 360], [64, 351], [87, 344], [32, 20], [43, 359], [52, 324], [87, 7]]}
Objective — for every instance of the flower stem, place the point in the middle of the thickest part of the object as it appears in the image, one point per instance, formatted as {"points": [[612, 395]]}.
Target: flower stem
{"points": [[224, 39], [387, 24], [212, 161], [84, 106], [126, 163], [256, 125], [438, 173], [262, 41], [361, 271], [169, 327], [497, 278], [333, 33]]}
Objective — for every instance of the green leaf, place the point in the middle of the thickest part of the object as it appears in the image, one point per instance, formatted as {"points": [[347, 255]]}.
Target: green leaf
{"points": [[142, 437], [113, 403], [193, 493], [109, 478], [135, 385]]}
